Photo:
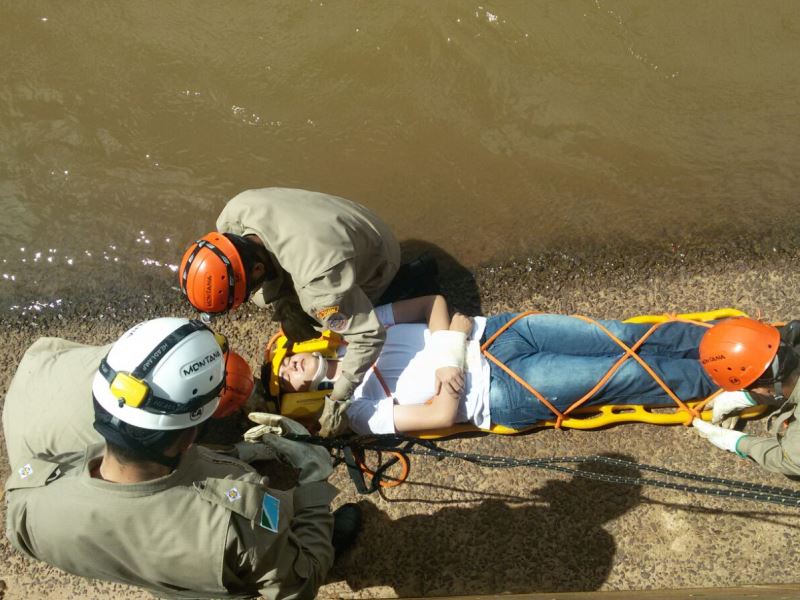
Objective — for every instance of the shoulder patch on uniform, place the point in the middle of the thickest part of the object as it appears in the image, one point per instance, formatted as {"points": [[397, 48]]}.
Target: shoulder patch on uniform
{"points": [[324, 313], [338, 322], [34, 473], [270, 513], [235, 495]]}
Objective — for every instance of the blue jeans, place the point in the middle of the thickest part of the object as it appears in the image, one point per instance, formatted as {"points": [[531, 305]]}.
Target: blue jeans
{"points": [[563, 357]]}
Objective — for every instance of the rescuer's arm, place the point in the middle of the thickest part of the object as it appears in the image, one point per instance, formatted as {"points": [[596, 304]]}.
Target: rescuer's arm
{"points": [[336, 302], [291, 562], [295, 322], [779, 455], [364, 335]]}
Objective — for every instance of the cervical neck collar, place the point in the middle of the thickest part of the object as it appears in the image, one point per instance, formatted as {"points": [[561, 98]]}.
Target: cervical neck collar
{"points": [[321, 376]]}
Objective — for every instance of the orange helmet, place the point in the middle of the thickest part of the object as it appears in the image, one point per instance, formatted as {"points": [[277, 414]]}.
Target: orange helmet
{"points": [[239, 385], [736, 352], [212, 275]]}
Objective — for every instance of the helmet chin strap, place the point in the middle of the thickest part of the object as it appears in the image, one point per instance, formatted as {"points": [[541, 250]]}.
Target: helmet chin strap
{"points": [[321, 376], [778, 384]]}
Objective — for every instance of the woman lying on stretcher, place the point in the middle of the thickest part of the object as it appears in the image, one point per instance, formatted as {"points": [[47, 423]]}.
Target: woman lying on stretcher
{"points": [[431, 372]]}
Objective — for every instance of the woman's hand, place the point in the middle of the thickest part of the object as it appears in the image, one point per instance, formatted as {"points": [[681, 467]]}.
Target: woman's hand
{"points": [[450, 380], [461, 323]]}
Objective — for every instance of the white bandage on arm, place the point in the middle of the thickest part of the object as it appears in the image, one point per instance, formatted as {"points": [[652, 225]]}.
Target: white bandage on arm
{"points": [[448, 349]]}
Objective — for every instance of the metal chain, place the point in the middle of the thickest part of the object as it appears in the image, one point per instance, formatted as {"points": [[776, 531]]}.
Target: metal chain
{"points": [[729, 488]]}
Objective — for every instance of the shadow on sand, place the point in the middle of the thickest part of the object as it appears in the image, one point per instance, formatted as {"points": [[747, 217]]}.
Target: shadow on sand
{"points": [[552, 540]]}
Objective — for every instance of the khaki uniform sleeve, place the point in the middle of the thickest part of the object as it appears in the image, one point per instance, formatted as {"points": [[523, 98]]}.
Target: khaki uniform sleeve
{"points": [[779, 454], [341, 306], [36, 472], [289, 563], [230, 219]]}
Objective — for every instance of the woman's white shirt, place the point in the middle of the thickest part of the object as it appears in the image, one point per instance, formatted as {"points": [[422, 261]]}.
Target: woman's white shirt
{"points": [[406, 366]]}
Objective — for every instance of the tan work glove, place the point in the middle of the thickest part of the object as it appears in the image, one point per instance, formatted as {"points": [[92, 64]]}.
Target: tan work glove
{"points": [[333, 421]]}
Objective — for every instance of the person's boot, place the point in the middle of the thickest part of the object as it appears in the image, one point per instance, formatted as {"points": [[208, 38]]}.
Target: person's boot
{"points": [[420, 277], [346, 525], [790, 333]]}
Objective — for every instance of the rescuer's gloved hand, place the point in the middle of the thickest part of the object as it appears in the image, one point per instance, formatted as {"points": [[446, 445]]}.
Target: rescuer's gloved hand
{"points": [[729, 404], [296, 324], [333, 421], [725, 439], [271, 423]]}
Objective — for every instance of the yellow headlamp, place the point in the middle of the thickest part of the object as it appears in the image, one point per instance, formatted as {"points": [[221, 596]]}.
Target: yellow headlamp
{"points": [[222, 341], [129, 390]]}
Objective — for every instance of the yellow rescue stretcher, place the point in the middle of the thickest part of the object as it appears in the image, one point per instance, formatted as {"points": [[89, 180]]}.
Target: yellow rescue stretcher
{"points": [[306, 406]]}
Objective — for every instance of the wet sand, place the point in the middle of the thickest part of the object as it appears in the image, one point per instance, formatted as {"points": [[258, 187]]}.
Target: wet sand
{"points": [[456, 528]]}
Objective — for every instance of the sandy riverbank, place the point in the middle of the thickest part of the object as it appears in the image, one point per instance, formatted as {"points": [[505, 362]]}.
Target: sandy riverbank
{"points": [[459, 529]]}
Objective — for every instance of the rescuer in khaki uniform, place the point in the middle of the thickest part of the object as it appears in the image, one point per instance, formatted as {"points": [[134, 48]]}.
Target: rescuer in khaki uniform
{"points": [[322, 260], [742, 356], [150, 508]]}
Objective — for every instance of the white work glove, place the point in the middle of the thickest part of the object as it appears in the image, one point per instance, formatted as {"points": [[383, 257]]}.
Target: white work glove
{"points": [[725, 439], [448, 349], [271, 423], [727, 405], [313, 462]]}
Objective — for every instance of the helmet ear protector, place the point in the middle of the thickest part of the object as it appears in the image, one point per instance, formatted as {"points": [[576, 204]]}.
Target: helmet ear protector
{"points": [[132, 390], [296, 404], [239, 385]]}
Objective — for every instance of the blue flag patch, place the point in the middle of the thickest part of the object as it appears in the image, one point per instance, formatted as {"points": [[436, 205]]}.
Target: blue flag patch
{"points": [[270, 513]]}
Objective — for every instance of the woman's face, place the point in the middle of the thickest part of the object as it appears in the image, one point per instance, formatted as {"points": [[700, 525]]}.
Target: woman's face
{"points": [[297, 371]]}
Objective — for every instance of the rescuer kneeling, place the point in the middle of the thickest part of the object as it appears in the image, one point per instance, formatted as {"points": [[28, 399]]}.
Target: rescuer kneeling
{"points": [[150, 508], [321, 260], [755, 363]]}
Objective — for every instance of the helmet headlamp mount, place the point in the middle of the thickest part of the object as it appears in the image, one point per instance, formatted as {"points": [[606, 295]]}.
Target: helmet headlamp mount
{"points": [[131, 389]]}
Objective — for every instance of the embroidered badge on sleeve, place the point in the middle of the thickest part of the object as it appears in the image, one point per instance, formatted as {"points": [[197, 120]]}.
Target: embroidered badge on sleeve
{"points": [[270, 513], [333, 318], [324, 313], [338, 322]]}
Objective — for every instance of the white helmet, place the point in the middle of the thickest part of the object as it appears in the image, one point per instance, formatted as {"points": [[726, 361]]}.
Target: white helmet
{"points": [[163, 374]]}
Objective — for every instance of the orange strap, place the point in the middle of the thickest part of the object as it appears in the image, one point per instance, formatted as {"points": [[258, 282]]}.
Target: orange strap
{"points": [[386, 481], [401, 458], [381, 380], [630, 352]]}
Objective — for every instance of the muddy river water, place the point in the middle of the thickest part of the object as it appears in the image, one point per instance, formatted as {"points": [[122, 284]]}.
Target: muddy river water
{"points": [[494, 130]]}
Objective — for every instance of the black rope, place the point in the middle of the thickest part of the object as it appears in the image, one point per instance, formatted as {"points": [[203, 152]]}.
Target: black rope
{"points": [[729, 488]]}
